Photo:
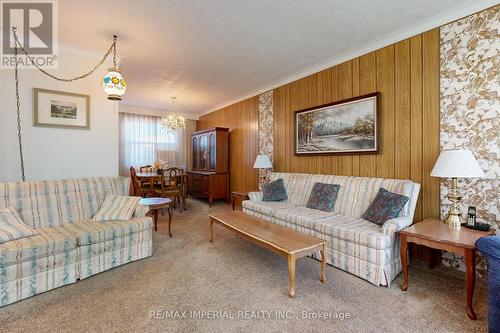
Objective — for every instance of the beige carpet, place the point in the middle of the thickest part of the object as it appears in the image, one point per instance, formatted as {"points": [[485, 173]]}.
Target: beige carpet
{"points": [[187, 273]]}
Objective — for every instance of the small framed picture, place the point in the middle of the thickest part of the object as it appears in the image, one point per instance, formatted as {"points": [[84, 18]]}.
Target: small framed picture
{"points": [[60, 109]]}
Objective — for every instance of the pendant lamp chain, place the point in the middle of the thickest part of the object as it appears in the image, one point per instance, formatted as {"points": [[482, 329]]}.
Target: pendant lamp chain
{"points": [[18, 112], [18, 46]]}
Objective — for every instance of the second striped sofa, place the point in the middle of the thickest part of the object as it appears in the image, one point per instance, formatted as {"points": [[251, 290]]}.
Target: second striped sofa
{"points": [[354, 244]]}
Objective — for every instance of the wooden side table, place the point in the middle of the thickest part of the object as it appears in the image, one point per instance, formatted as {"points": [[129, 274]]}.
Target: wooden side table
{"points": [[155, 204], [440, 236], [238, 194]]}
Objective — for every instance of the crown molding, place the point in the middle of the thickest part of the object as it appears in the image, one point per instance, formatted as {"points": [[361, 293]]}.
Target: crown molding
{"points": [[438, 20], [137, 109]]}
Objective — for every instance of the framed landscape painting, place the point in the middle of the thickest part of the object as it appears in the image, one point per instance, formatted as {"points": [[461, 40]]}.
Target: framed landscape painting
{"points": [[60, 109], [346, 127]]}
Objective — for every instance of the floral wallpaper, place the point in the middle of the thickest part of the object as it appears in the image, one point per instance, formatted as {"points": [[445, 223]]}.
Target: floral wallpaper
{"points": [[470, 112], [266, 131]]}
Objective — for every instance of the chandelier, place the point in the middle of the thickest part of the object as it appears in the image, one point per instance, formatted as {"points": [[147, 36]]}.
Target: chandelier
{"points": [[174, 122]]}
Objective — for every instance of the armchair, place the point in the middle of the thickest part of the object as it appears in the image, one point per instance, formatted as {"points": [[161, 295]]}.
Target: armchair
{"points": [[490, 248]]}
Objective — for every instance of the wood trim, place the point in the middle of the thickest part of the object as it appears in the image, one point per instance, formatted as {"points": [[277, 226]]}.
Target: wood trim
{"points": [[220, 129]]}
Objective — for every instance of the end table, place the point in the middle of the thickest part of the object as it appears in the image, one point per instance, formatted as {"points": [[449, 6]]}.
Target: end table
{"points": [[238, 194], [440, 236], [155, 204]]}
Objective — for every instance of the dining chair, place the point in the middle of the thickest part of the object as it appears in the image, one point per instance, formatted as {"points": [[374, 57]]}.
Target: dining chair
{"points": [[171, 187], [146, 168], [138, 187]]}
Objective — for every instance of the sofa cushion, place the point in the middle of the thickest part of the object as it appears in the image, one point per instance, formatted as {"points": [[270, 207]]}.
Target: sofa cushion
{"points": [[117, 208], [265, 207], [49, 241], [323, 197], [385, 206], [91, 232], [12, 227], [302, 216], [274, 191], [354, 230]]}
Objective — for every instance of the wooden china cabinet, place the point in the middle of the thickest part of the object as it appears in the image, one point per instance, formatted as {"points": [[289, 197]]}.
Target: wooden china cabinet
{"points": [[209, 176]]}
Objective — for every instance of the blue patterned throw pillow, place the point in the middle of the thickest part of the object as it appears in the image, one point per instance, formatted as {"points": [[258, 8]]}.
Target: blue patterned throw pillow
{"points": [[385, 206], [323, 197], [274, 191]]}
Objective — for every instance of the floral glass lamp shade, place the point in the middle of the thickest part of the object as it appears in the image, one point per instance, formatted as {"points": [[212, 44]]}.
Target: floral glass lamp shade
{"points": [[114, 85], [263, 163], [456, 164]]}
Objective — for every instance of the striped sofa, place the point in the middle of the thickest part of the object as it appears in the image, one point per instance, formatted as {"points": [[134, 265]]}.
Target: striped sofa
{"points": [[70, 246], [354, 244]]}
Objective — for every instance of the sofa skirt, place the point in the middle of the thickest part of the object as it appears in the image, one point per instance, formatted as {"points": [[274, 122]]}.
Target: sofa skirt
{"points": [[99, 257], [34, 277]]}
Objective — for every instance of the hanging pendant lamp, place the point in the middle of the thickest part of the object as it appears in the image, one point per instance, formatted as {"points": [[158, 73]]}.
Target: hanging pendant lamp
{"points": [[113, 84]]}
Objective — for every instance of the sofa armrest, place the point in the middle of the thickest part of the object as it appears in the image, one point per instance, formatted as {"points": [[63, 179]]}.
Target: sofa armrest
{"points": [[392, 226], [255, 196], [141, 211]]}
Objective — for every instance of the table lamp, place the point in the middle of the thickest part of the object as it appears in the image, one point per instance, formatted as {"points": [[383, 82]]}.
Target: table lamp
{"points": [[262, 162], [456, 164]]}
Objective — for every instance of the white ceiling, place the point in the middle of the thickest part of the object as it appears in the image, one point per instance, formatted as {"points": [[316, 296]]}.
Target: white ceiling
{"points": [[210, 53]]}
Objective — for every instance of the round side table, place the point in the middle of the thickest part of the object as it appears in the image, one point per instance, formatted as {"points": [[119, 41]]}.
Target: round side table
{"points": [[155, 204]]}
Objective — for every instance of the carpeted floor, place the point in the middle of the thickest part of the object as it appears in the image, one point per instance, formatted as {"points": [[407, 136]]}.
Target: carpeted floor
{"points": [[234, 278]]}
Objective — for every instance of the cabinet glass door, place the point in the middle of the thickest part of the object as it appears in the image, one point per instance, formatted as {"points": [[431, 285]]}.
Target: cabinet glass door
{"points": [[203, 152], [211, 142], [195, 153]]}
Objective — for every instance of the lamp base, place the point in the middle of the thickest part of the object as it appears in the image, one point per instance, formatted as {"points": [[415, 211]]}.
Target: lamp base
{"points": [[454, 217], [454, 220]]}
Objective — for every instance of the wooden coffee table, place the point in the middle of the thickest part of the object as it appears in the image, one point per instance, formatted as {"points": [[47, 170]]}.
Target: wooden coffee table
{"points": [[435, 234], [276, 238]]}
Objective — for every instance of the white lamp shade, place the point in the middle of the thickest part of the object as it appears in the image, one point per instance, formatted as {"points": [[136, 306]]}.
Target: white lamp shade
{"points": [[262, 162], [457, 164]]}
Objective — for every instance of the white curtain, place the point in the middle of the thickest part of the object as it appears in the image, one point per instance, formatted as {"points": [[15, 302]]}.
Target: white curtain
{"points": [[143, 141]]}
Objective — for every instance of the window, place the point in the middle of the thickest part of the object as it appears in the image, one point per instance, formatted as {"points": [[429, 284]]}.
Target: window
{"points": [[143, 141]]}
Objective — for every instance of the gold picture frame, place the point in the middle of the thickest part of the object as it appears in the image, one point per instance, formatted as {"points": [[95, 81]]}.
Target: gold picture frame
{"points": [[347, 127], [60, 109]]}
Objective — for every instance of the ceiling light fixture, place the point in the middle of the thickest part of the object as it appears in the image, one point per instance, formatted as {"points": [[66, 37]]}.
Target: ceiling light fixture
{"points": [[174, 122]]}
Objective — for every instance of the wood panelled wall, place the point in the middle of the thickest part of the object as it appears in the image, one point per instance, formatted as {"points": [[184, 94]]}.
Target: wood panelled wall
{"points": [[406, 74], [242, 120]]}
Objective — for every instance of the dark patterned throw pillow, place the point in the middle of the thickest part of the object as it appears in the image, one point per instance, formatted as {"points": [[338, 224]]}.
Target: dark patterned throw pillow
{"points": [[385, 206], [323, 197], [274, 191]]}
